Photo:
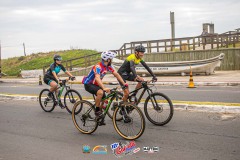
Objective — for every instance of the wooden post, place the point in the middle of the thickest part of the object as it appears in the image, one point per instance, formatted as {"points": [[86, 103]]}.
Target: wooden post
{"points": [[194, 43], [180, 42], [71, 65], [211, 42], [217, 42], [157, 46], [44, 70], [234, 41], [165, 43]]}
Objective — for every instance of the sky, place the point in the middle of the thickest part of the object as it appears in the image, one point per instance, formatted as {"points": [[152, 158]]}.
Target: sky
{"points": [[53, 25]]}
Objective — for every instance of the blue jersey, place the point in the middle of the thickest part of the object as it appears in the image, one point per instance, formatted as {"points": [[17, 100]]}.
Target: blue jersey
{"points": [[55, 68], [100, 69]]}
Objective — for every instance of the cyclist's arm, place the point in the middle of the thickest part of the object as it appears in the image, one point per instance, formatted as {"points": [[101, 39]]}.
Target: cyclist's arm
{"points": [[132, 68], [55, 75], [99, 81], [119, 78], [69, 74], [147, 68]]}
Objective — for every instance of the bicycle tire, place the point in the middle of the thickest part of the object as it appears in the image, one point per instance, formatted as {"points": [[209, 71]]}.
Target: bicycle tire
{"points": [[80, 114], [110, 112], [167, 101], [51, 108], [142, 123], [65, 100]]}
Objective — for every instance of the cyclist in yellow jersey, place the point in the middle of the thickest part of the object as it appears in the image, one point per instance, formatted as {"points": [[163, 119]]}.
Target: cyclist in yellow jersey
{"points": [[127, 70]]}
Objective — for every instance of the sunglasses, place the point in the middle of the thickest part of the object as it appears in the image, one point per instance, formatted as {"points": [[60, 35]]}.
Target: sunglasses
{"points": [[59, 59]]}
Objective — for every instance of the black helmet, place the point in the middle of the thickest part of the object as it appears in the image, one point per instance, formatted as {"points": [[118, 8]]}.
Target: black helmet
{"points": [[140, 48], [57, 57]]}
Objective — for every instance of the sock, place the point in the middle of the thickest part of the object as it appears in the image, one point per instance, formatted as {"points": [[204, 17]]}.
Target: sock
{"points": [[97, 109]]}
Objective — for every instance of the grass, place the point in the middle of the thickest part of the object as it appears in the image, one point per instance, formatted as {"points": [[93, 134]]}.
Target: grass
{"points": [[13, 66]]}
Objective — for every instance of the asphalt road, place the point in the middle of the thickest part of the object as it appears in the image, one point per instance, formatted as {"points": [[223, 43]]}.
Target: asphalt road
{"points": [[230, 94], [27, 132]]}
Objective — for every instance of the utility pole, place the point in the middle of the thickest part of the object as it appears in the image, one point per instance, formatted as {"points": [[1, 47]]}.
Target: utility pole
{"points": [[172, 21], [0, 61], [24, 49]]}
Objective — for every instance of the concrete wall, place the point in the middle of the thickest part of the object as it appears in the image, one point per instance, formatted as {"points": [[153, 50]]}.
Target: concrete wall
{"points": [[231, 60]]}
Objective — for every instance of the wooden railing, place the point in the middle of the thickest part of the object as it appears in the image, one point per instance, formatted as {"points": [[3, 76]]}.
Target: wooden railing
{"points": [[79, 62], [212, 41]]}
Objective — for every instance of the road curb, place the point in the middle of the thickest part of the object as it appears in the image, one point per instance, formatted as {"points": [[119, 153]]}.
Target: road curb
{"points": [[134, 83], [187, 107]]}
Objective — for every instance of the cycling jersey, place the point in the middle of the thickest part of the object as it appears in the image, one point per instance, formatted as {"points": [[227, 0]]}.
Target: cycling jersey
{"points": [[100, 69], [55, 68], [48, 77], [130, 61], [129, 66]]}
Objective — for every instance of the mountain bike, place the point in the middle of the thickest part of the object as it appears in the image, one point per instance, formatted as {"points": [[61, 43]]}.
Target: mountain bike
{"points": [[158, 107], [128, 119], [71, 96]]}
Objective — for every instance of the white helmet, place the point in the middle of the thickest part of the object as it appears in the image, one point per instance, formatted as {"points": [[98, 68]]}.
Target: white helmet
{"points": [[108, 55]]}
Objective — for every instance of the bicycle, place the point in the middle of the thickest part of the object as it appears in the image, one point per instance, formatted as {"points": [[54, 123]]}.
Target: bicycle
{"points": [[156, 103], [85, 122], [70, 98]]}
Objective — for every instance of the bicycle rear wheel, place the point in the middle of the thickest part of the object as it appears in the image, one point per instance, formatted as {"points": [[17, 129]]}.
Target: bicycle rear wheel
{"points": [[84, 121], [70, 98], [133, 128], [158, 109], [46, 103]]}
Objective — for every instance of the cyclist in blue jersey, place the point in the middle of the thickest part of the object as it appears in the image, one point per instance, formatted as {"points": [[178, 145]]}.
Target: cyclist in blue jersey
{"points": [[51, 78], [93, 82]]}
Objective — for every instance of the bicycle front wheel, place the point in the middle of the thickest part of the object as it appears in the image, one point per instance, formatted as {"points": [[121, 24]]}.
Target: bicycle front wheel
{"points": [[70, 98], [84, 121], [132, 125], [47, 103], [158, 109]]}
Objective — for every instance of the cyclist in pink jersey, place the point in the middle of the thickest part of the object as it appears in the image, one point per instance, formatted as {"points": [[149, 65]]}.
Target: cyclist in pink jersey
{"points": [[93, 82]]}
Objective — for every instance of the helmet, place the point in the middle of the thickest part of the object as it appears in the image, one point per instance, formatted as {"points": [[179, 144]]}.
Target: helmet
{"points": [[108, 55], [57, 57], [140, 48]]}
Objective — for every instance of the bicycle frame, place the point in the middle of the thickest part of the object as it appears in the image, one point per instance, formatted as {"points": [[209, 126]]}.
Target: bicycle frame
{"points": [[146, 88], [62, 86], [111, 96]]}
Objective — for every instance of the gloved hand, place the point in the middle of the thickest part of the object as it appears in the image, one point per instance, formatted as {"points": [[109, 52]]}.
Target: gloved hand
{"points": [[154, 79], [72, 78], [125, 86]]}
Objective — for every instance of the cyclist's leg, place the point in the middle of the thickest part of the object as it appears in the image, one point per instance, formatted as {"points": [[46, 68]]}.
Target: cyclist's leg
{"points": [[51, 83], [93, 89]]}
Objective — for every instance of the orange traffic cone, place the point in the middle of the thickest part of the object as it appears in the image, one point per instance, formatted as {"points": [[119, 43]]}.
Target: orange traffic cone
{"points": [[191, 84]]}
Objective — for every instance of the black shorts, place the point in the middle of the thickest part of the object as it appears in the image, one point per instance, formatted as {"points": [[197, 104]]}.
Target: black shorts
{"points": [[127, 76], [93, 89], [48, 80]]}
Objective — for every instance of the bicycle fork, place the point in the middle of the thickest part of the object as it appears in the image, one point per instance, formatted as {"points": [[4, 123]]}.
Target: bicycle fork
{"points": [[154, 101]]}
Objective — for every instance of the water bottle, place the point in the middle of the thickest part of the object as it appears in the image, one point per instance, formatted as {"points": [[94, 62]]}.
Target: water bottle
{"points": [[132, 99], [105, 104]]}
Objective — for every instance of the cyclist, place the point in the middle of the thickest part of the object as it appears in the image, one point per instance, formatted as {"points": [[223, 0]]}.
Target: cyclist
{"points": [[127, 70], [93, 82], [51, 78]]}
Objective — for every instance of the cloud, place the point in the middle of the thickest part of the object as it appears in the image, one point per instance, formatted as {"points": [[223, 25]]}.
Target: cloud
{"points": [[107, 24]]}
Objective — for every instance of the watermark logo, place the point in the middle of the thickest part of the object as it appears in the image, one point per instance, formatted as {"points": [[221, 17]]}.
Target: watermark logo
{"points": [[100, 149], [153, 149], [86, 149], [120, 150]]}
